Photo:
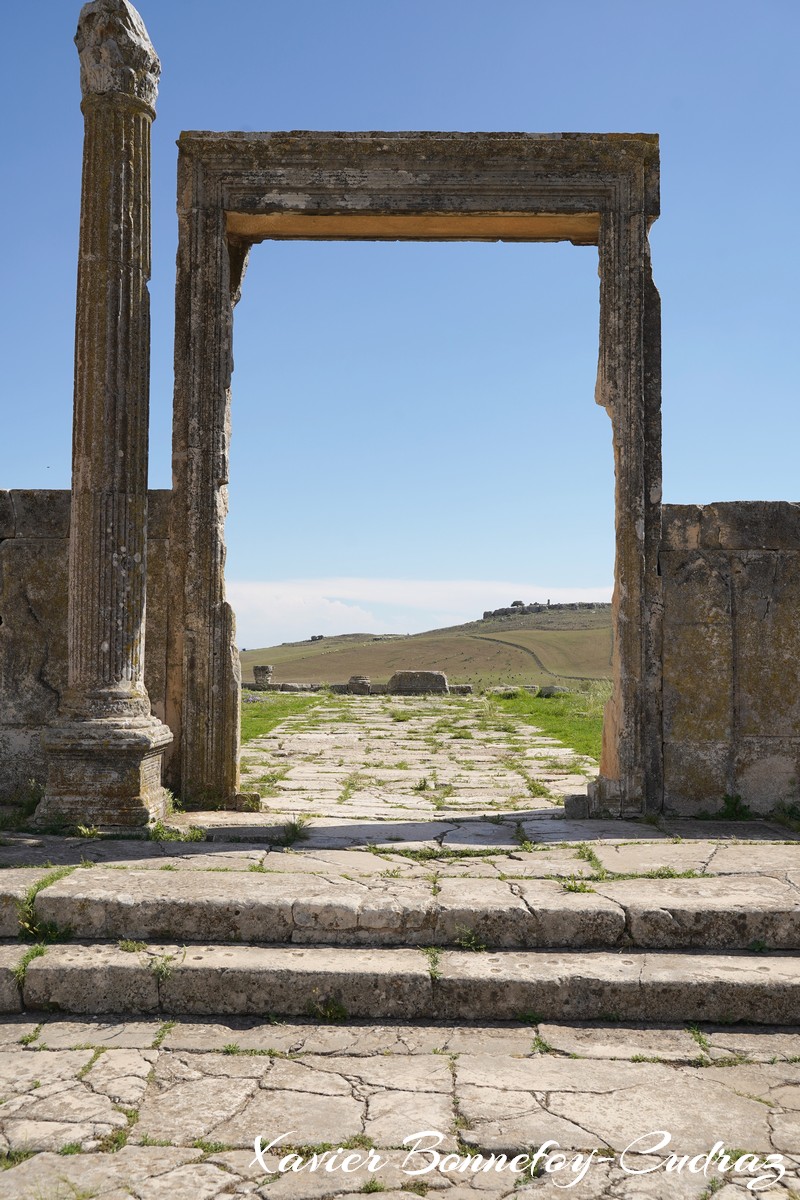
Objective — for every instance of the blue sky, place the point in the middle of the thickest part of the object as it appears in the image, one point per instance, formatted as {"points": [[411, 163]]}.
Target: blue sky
{"points": [[414, 431]]}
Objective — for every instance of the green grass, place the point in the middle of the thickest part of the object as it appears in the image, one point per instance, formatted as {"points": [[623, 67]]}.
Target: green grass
{"points": [[31, 928], [159, 832], [575, 718], [272, 708]]}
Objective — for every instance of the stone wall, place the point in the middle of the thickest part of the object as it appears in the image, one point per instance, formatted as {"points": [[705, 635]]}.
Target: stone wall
{"points": [[34, 545], [731, 576]]}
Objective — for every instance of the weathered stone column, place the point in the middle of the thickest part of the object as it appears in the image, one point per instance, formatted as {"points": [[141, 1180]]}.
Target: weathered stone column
{"points": [[105, 751]]}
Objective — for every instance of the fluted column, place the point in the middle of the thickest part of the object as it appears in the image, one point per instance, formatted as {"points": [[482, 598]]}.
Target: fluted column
{"points": [[105, 752]]}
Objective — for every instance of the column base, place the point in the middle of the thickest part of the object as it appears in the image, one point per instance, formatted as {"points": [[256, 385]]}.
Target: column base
{"points": [[104, 773], [605, 798]]}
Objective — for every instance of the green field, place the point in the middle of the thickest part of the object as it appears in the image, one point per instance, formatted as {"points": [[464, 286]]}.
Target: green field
{"points": [[560, 646]]}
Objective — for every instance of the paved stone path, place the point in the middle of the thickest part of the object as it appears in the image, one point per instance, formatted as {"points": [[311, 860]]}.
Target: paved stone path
{"points": [[155, 1109], [151, 1107]]}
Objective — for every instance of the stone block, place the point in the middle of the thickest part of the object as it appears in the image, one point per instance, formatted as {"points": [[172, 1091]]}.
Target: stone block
{"points": [[721, 987], [696, 587], [729, 913], [297, 981], [680, 527], [14, 884], [571, 918], [10, 998], [22, 759], [8, 524], [41, 513], [507, 984], [92, 979], [33, 635], [766, 589], [358, 685], [696, 776], [159, 502], [751, 525], [698, 648], [158, 608], [767, 772], [418, 683]]}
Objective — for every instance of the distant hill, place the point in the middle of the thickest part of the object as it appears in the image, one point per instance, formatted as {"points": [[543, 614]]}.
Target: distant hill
{"points": [[547, 647]]}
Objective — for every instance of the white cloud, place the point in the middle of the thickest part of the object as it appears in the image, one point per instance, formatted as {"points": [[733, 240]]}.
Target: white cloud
{"points": [[270, 612]]}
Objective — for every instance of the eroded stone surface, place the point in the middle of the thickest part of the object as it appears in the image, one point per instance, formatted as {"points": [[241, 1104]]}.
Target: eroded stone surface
{"points": [[506, 1088]]}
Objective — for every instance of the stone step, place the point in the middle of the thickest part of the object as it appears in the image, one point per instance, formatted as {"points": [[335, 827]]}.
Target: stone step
{"points": [[332, 983], [739, 913]]}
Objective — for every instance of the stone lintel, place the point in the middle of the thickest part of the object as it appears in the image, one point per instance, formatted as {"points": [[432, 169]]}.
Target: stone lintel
{"points": [[581, 228]]}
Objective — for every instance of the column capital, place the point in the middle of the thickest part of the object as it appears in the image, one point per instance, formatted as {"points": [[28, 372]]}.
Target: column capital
{"points": [[117, 56]]}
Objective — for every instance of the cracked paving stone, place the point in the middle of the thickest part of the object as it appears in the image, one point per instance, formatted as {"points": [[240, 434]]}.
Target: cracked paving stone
{"points": [[122, 1075], [620, 1041], [65, 1034], [508, 1121], [21, 1071], [396, 1072], [54, 1175], [692, 1109], [394, 1115], [308, 1117], [186, 1111], [760, 1045], [58, 1115]]}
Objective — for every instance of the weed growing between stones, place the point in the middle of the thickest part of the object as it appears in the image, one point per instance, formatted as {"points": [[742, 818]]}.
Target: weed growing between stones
{"points": [[211, 1147], [130, 946], [574, 884], [534, 786], [267, 785], [86, 1068], [468, 939], [295, 830], [733, 808], [326, 1008], [159, 832], [115, 1140], [31, 928], [161, 965], [29, 1038], [12, 1158], [425, 854], [21, 968], [88, 831], [434, 957], [354, 782], [233, 1048], [704, 1058], [161, 1034]]}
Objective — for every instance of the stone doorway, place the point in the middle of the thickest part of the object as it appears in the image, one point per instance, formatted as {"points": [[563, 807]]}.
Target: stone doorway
{"points": [[239, 189]]}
